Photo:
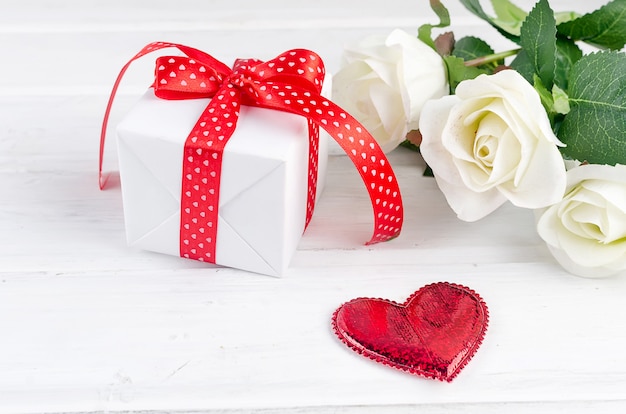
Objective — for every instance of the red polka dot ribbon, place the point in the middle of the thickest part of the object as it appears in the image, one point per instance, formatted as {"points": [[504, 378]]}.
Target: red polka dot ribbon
{"points": [[290, 83]]}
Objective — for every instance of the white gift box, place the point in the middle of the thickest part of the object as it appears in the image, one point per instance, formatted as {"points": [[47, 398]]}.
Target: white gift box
{"points": [[263, 192]]}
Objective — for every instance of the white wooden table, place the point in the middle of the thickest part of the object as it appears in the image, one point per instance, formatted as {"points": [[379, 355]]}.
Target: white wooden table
{"points": [[90, 325]]}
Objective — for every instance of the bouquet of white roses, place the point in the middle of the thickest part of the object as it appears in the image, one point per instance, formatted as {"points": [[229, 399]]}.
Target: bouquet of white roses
{"points": [[542, 126]]}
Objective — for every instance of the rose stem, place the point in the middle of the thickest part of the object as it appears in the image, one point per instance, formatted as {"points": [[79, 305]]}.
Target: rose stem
{"points": [[491, 58]]}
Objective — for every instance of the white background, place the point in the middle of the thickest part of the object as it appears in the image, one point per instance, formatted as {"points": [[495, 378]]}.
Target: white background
{"points": [[88, 324]]}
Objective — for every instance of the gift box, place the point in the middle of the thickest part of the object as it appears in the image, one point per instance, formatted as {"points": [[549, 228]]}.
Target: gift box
{"points": [[224, 165], [263, 191]]}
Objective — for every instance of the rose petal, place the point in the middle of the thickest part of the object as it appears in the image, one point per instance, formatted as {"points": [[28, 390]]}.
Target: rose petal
{"points": [[543, 182], [422, 72], [467, 204], [586, 230], [384, 82], [584, 271]]}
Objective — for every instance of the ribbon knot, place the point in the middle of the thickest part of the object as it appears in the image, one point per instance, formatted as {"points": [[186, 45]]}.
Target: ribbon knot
{"points": [[239, 79], [291, 82], [247, 81]]}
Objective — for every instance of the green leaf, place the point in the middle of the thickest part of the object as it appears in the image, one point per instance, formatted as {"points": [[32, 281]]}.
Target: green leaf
{"points": [[594, 130], [538, 40], [562, 17], [475, 7], [468, 48], [567, 53], [508, 16], [561, 101], [458, 72], [555, 102], [524, 66], [424, 32], [545, 95], [605, 27], [408, 144]]}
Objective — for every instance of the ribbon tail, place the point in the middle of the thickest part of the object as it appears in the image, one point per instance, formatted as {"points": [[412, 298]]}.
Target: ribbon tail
{"points": [[102, 177], [358, 144], [314, 146], [374, 169]]}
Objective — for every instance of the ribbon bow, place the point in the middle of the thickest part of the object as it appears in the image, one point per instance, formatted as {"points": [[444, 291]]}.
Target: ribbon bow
{"points": [[291, 83]]}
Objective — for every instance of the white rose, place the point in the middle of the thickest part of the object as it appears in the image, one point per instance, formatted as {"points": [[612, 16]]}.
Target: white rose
{"points": [[385, 81], [492, 142], [586, 230]]}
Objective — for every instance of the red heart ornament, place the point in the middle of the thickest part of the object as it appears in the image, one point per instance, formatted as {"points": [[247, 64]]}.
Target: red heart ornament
{"points": [[433, 334]]}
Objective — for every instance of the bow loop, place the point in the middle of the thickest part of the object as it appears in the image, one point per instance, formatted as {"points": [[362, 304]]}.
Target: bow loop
{"points": [[297, 67], [181, 77]]}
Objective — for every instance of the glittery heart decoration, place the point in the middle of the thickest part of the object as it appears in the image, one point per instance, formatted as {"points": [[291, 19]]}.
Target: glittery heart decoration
{"points": [[433, 334]]}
